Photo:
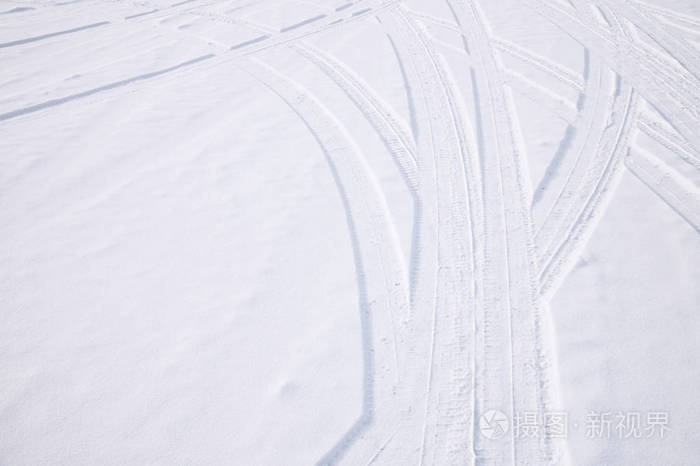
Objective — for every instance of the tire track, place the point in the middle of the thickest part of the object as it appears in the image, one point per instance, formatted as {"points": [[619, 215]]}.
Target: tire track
{"points": [[559, 106], [396, 139], [138, 15], [670, 141], [52, 34], [575, 137], [663, 61], [332, 19], [676, 47], [448, 416], [399, 144], [540, 62], [594, 194], [588, 131], [235, 53], [299, 30], [381, 275], [18, 9], [101, 89], [672, 91], [512, 369], [557, 245], [686, 25], [438, 419], [531, 90], [681, 195]]}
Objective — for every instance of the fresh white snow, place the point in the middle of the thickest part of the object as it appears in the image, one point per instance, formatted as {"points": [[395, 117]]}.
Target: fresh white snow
{"points": [[280, 232]]}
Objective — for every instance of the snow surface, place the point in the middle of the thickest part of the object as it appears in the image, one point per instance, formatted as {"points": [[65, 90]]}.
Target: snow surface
{"points": [[318, 232]]}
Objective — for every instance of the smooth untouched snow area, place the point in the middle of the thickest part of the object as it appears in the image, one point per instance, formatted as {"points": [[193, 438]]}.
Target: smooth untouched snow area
{"points": [[349, 232]]}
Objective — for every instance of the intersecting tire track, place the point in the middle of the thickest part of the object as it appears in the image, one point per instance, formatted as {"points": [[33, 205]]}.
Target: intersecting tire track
{"points": [[556, 104], [679, 49], [674, 92], [557, 250], [440, 421], [232, 55], [480, 271], [508, 235]]}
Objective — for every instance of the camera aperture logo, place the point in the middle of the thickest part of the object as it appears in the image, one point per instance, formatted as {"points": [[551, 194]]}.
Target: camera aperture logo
{"points": [[493, 424]]}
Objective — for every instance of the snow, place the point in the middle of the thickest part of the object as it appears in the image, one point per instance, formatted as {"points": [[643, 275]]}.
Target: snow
{"points": [[319, 232]]}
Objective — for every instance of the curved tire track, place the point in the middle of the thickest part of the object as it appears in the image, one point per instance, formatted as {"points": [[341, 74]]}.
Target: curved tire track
{"points": [[381, 274]]}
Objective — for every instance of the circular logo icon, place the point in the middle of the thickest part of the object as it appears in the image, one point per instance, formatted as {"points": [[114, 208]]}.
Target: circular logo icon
{"points": [[493, 424]]}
